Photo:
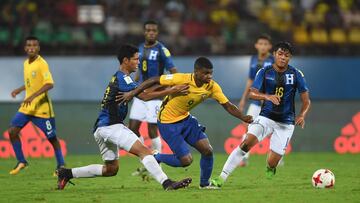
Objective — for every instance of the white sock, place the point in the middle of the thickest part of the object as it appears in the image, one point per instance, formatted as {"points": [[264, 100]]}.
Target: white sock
{"points": [[141, 138], [89, 171], [154, 168], [246, 156], [156, 143], [232, 162]]}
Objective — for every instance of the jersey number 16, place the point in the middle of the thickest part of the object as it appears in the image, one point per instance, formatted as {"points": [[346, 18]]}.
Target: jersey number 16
{"points": [[279, 91]]}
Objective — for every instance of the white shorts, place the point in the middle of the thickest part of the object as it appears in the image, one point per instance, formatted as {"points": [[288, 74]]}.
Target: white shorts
{"points": [[253, 110], [280, 133], [111, 138], [145, 110]]}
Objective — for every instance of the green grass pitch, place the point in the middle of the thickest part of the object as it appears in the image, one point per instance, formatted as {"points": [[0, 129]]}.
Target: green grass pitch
{"points": [[292, 182]]}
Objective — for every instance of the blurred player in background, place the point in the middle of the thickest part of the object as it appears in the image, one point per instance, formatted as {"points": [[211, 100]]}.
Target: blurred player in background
{"points": [[111, 134], [155, 58], [276, 86], [37, 106], [179, 128], [261, 59]]}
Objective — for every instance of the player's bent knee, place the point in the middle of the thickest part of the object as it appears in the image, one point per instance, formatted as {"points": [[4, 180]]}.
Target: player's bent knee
{"points": [[13, 132], [207, 152], [186, 160], [111, 170]]}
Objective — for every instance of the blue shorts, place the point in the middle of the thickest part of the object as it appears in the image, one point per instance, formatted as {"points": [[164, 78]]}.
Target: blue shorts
{"points": [[177, 135], [47, 125]]}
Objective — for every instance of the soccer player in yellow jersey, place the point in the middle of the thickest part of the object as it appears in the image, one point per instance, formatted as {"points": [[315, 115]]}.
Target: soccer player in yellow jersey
{"points": [[37, 106], [178, 127]]}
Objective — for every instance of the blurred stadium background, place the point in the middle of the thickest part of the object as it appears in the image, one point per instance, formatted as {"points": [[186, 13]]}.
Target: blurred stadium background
{"points": [[79, 39]]}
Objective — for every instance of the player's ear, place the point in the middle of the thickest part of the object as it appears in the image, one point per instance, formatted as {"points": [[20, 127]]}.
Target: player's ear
{"points": [[125, 60]]}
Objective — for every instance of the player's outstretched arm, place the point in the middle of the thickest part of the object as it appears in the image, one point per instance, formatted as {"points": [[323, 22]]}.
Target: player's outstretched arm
{"points": [[233, 110], [43, 89], [245, 95], [124, 97], [158, 91], [306, 103], [17, 91], [255, 94]]}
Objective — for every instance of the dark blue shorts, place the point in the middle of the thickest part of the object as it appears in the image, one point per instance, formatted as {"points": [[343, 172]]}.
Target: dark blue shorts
{"points": [[178, 135], [47, 125]]}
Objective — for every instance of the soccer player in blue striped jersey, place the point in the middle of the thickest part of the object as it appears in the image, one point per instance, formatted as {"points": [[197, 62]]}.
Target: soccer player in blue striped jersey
{"points": [[155, 59], [111, 134], [261, 59], [276, 86]]}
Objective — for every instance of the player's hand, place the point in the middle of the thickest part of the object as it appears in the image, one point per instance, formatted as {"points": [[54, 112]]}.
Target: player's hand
{"points": [[300, 120], [27, 101], [15, 92], [275, 99], [247, 119], [179, 90], [124, 97]]}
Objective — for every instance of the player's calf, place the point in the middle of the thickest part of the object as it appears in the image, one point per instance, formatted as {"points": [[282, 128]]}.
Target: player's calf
{"points": [[186, 160]]}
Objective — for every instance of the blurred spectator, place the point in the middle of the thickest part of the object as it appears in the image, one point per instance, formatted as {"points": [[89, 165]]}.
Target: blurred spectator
{"points": [[188, 27]]}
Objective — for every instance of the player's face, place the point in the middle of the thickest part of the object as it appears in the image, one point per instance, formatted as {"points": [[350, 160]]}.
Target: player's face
{"points": [[134, 62], [151, 33], [203, 75], [32, 47], [282, 57], [263, 46]]}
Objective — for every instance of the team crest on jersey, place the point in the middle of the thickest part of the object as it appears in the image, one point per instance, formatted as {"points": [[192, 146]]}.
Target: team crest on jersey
{"points": [[289, 79], [33, 74], [153, 55], [203, 96]]}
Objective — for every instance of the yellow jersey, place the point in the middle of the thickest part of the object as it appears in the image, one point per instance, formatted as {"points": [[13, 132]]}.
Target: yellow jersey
{"points": [[36, 75], [176, 108]]}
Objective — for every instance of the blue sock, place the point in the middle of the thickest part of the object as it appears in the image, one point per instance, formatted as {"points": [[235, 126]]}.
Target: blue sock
{"points": [[206, 167], [169, 159], [18, 151], [59, 158]]}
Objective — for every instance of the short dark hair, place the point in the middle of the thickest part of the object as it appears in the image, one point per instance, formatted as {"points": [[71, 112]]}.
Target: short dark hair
{"points": [[31, 38], [126, 51], [286, 46], [150, 22], [203, 62], [264, 36]]}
